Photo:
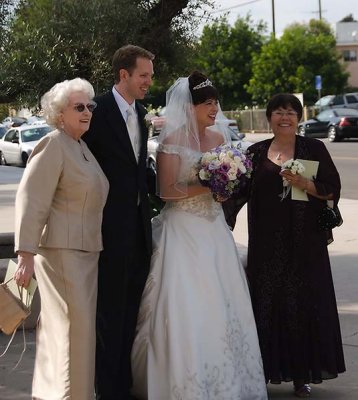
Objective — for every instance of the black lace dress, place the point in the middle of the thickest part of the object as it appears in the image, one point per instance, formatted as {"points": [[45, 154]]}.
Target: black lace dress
{"points": [[290, 274]]}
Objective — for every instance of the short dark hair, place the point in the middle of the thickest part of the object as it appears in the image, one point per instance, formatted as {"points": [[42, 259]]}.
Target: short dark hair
{"points": [[126, 58], [284, 100], [200, 95]]}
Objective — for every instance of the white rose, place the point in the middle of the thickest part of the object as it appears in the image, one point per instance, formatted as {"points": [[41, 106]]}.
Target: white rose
{"points": [[222, 156], [205, 158], [203, 175], [213, 157], [231, 174], [241, 167]]}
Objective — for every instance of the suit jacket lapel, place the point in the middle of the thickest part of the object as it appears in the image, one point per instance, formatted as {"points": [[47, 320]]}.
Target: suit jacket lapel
{"points": [[119, 127], [142, 129]]}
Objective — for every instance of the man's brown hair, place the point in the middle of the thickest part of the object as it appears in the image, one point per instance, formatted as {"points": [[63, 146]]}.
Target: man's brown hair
{"points": [[126, 58]]}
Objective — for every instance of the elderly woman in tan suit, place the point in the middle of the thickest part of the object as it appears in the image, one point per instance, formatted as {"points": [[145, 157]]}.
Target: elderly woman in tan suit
{"points": [[59, 207]]}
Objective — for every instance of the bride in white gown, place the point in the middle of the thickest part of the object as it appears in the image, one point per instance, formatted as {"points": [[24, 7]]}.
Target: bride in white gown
{"points": [[196, 336]]}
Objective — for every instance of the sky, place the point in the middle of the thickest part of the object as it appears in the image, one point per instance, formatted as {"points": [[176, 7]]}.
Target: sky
{"points": [[287, 11]]}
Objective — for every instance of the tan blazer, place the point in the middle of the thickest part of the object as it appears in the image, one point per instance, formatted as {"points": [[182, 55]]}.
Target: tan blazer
{"points": [[60, 198]]}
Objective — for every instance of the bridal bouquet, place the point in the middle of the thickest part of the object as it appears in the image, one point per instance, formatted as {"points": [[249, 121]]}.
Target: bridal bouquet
{"points": [[224, 170], [295, 167]]}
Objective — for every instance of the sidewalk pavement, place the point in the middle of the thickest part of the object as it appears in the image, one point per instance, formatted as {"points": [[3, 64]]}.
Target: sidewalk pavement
{"points": [[16, 385]]}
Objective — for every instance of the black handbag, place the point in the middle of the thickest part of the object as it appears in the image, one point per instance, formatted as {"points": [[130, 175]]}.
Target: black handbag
{"points": [[329, 217]]}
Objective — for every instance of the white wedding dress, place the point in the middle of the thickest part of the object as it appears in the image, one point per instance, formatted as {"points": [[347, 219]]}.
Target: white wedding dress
{"points": [[196, 337]]}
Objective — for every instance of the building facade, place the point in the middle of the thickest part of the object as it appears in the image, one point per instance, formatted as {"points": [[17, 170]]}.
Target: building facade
{"points": [[347, 45]]}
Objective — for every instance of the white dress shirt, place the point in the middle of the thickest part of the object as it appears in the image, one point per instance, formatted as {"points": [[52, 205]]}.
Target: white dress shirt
{"points": [[132, 124]]}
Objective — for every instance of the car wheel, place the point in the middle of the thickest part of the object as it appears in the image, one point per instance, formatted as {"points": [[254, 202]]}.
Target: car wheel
{"points": [[302, 131], [24, 157], [2, 159], [332, 134]]}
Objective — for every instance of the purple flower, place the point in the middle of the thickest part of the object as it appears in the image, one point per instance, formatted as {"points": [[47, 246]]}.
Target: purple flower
{"points": [[220, 169], [224, 168]]}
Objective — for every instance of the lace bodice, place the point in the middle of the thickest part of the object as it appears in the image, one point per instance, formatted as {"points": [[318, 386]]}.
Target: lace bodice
{"points": [[202, 205]]}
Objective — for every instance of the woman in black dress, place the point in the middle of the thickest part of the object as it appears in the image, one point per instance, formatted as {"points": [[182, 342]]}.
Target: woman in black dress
{"points": [[288, 264]]}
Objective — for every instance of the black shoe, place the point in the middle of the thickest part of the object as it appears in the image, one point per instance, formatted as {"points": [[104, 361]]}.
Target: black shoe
{"points": [[302, 390]]}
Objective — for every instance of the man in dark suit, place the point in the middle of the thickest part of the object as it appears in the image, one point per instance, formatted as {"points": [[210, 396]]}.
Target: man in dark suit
{"points": [[118, 139]]}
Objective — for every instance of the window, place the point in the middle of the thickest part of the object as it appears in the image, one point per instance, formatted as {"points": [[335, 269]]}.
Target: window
{"points": [[351, 98], [347, 112], [2, 131], [11, 135], [349, 55], [325, 115], [338, 101], [34, 134]]}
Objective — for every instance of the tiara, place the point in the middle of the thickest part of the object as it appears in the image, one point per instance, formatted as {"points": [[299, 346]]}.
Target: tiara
{"points": [[203, 84]]}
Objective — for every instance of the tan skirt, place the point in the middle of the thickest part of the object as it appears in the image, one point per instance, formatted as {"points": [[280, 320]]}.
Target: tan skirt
{"points": [[66, 335]]}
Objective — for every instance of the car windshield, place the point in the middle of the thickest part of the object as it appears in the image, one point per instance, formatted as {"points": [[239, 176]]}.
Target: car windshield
{"points": [[324, 101], [33, 134], [347, 112]]}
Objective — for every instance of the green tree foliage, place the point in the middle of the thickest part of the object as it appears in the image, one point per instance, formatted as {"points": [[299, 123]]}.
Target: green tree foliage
{"points": [[289, 64], [225, 54], [5, 11], [52, 40]]}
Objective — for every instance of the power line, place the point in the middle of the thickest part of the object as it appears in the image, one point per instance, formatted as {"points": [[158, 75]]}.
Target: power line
{"points": [[232, 7]]}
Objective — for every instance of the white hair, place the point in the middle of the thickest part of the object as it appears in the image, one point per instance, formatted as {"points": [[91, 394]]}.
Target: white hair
{"points": [[56, 99]]}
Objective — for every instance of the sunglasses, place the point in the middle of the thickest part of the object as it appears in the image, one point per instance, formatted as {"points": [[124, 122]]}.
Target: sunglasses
{"points": [[81, 107]]}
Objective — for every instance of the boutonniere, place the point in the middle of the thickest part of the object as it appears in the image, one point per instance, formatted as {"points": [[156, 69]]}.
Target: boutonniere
{"points": [[148, 117]]}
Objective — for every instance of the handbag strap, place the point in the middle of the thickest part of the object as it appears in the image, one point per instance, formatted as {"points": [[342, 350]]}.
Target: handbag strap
{"points": [[23, 349], [21, 291], [330, 203]]}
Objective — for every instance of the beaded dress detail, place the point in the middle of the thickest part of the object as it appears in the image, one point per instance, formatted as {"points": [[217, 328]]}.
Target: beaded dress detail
{"points": [[202, 205]]}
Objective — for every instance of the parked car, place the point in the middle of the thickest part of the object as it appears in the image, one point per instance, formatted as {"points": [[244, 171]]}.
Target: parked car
{"points": [[348, 100], [10, 122], [236, 139], [156, 123], [3, 130], [17, 143], [334, 123]]}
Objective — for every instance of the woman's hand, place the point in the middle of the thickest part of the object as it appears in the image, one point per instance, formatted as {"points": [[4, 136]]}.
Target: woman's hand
{"points": [[296, 180], [304, 184], [219, 198], [25, 268]]}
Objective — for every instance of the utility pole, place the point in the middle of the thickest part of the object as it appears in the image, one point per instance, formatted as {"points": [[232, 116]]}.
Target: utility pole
{"points": [[273, 18], [320, 10]]}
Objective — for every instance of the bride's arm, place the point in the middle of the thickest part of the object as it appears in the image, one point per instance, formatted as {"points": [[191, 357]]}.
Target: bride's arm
{"points": [[168, 166]]}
